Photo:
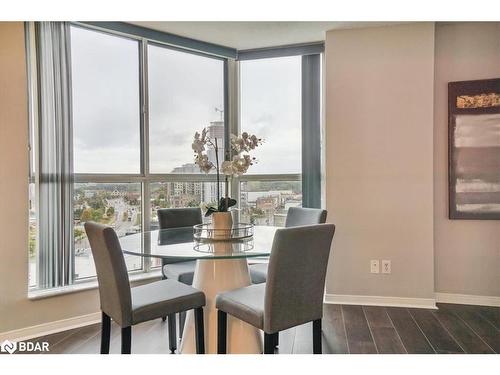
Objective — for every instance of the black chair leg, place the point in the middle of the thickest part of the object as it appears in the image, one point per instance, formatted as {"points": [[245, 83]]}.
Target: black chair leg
{"points": [[269, 339], [172, 335], [126, 340], [276, 339], [317, 336], [163, 277], [199, 330], [105, 333], [221, 332]]}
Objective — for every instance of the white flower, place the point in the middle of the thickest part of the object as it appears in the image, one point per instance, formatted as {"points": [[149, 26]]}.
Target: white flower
{"points": [[198, 146], [228, 168], [240, 147]]}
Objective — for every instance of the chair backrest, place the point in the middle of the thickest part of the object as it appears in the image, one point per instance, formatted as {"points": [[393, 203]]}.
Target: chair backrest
{"points": [[179, 217], [298, 216], [296, 276], [112, 276]]}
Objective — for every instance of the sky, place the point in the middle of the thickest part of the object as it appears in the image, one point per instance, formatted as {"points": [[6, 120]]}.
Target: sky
{"points": [[184, 90]]}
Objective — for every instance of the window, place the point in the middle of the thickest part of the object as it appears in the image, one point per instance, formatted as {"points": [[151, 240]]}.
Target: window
{"points": [[186, 94], [267, 202], [270, 107], [119, 88], [270, 104], [118, 205], [112, 121], [105, 93]]}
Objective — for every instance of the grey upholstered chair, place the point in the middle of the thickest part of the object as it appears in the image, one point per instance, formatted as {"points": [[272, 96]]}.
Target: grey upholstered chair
{"points": [[129, 306], [183, 272], [293, 293], [296, 216]]}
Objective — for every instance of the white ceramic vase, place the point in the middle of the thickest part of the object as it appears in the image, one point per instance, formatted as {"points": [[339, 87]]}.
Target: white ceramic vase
{"points": [[222, 223]]}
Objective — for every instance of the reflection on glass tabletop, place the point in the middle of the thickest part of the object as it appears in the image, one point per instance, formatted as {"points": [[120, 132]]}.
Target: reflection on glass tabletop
{"points": [[178, 243]]}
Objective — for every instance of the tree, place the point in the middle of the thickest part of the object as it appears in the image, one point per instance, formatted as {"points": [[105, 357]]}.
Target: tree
{"points": [[97, 214], [110, 211], [78, 234], [193, 203], [86, 215]]}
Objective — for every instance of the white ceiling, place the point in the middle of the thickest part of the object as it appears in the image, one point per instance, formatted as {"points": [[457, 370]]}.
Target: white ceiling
{"points": [[247, 35]]}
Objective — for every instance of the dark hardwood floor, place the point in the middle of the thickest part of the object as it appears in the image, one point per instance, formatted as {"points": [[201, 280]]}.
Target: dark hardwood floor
{"points": [[346, 329]]}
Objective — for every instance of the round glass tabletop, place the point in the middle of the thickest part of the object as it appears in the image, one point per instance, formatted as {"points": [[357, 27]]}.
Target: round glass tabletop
{"points": [[179, 243]]}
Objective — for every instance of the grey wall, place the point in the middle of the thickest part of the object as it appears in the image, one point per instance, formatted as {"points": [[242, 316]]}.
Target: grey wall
{"points": [[467, 252], [379, 151]]}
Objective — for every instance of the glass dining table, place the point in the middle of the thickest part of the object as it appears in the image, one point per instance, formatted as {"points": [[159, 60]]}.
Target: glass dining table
{"points": [[221, 265]]}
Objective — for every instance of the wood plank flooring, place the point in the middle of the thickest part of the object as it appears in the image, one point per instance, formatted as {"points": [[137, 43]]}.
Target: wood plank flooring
{"points": [[346, 329]]}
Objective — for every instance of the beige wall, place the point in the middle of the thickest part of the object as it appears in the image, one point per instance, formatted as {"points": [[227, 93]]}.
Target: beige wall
{"points": [[467, 252], [379, 155]]}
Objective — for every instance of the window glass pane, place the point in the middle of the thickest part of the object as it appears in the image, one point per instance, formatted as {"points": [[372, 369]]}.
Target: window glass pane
{"points": [[267, 202], [271, 102], [181, 194], [115, 204], [186, 94], [105, 102], [32, 239]]}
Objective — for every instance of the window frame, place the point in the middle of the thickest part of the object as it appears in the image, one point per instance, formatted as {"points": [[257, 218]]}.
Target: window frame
{"points": [[311, 182], [231, 94], [145, 178]]}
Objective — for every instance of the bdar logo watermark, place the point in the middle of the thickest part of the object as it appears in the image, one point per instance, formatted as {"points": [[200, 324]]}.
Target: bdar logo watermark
{"points": [[23, 346]]}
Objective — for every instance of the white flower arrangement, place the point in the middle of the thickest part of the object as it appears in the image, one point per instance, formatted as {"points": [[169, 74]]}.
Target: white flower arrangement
{"points": [[236, 165]]}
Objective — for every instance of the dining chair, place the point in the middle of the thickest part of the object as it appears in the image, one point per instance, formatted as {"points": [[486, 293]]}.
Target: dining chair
{"points": [[293, 293], [183, 271], [130, 306], [296, 216]]}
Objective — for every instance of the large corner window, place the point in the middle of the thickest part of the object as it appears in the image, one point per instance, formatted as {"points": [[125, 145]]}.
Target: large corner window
{"points": [[115, 125], [274, 103], [112, 119]]}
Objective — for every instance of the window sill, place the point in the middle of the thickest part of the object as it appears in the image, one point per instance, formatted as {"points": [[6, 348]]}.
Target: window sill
{"points": [[80, 287]]}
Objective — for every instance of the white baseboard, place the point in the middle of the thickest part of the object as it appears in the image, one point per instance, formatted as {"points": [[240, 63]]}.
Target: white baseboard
{"points": [[344, 299], [51, 327], [468, 299]]}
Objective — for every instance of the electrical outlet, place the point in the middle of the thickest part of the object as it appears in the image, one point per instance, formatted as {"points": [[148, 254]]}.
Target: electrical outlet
{"points": [[386, 266], [374, 266]]}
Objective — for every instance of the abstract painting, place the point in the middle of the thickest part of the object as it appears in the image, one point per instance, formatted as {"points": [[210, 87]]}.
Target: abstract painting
{"points": [[474, 149]]}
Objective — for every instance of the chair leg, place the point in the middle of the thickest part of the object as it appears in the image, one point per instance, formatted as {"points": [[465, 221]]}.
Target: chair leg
{"points": [[126, 340], [317, 336], [269, 339], [199, 330], [105, 333], [221, 332], [276, 339], [163, 277], [172, 335]]}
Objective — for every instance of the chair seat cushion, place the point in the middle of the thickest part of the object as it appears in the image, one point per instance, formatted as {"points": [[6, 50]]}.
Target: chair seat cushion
{"points": [[182, 271], [164, 297], [246, 304], [258, 273]]}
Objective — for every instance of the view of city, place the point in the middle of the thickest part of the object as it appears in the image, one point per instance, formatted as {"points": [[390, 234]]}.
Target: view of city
{"points": [[185, 93], [119, 205]]}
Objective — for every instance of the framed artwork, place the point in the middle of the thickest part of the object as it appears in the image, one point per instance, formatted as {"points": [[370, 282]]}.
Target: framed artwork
{"points": [[474, 149]]}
